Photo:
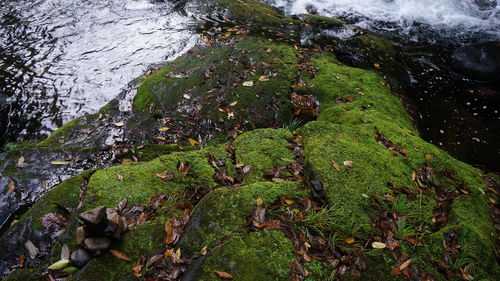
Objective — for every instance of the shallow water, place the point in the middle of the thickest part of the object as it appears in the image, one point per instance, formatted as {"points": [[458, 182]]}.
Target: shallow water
{"points": [[63, 58]]}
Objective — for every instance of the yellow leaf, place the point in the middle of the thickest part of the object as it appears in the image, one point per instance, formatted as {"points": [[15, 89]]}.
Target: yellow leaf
{"points": [[349, 240], [119, 124], [259, 201], [203, 251], [59, 265], [378, 245], [192, 142], [288, 201], [59, 162], [163, 129], [120, 255]]}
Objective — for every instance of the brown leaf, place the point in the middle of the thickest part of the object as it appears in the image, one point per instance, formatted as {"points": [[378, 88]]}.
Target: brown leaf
{"points": [[119, 177], [335, 165], [349, 240], [120, 255], [11, 186], [405, 265], [165, 176], [203, 251], [184, 168], [20, 261], [155, 260], [137, 270], [223, 275]]}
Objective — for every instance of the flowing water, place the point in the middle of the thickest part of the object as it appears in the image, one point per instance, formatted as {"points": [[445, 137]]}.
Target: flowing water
{"points": [[63, 58]]}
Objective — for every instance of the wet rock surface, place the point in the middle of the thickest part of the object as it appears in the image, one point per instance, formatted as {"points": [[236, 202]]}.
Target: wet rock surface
{"points": [[349, 191]]}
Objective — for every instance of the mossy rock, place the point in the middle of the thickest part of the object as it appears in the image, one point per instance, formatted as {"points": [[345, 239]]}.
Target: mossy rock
{"points": [[222, 216], [263, 150]]}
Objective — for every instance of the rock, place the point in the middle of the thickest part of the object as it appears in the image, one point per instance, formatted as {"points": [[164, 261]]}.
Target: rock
{"points": [[478, 61], [118, 220], [111, 229], [97, 244], [80, 235], [94, 216], [79, 258], [485, 4]]}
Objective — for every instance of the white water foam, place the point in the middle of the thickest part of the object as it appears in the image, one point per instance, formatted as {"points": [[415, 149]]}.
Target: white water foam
{"points": [[453, 17]]}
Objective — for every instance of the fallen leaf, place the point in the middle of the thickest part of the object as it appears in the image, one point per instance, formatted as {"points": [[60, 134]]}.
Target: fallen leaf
{"points": [[263, 78], [184, 168], [32, 249], [335, 165], [59, 162], [203, 251], [405, 265], [349, 240], [120, 255], [259, 201], [20, 261], [119, 124], [223, 275], [137, 270], [192, 142], [248, 83], [289, 202], [163, 129], [349, 164], [11, 186], [165, 176], [233, 103], [154, 260], [59, 265], [20, 162], [119, 177], [378, 245], [65, 252]]}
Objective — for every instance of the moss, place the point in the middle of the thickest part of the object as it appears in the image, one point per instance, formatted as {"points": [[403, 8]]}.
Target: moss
{"points": [[247, 11], [224, 212], [22, 275], [263, 255], [140, 181], [69, 130], [318, 270], [263, 149], [373, 43], [322, 21]]}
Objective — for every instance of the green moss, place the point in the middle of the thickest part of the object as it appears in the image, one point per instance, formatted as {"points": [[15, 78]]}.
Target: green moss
{"points": [[375, 44], [140, 181], [22, 275], [262, 255], [263, 149], [224, 211], [69, 130], [324, 22]]}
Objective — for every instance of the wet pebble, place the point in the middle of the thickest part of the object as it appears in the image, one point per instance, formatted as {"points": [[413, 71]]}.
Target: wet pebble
{"points": [[94, 216], [95, 244], [79, 258]]}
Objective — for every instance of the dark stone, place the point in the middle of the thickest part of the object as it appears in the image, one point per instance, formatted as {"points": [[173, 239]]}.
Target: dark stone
{"points": [[111, 229], [478, 61], [79, 258], [486, 4], [97, 244], [94, 216]]}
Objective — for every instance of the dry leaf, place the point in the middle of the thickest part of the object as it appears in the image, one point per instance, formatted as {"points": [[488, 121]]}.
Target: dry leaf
{"points": [[20, 162], [233, 103], [192, 142], [120, 255], [165, 176], [349, 240], [289, 202], [11, 186], [119, 124], [335, 165], [378, 245], [348, 164], [263, 78], [259, 201], [32, 249], [137, 270], [203, 251], [404, 265], [248, 83], [59, 162], [223, 275], [184, 168], [163, 129], [119, 177]]}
